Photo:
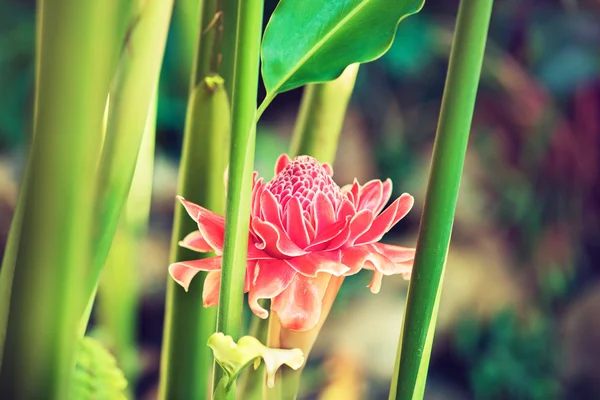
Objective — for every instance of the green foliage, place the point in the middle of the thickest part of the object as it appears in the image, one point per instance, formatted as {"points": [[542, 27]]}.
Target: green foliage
{"points": [[301, 46], [96, 375], [510, 360]]}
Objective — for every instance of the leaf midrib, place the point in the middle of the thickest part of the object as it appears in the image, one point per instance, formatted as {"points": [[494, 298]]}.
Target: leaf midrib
{"points": [[319, 44]]}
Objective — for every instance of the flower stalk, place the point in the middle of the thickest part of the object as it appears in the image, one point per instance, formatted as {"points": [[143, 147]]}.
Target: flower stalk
{"points": [[442, 191], [239, 192], [321, 117], [119, 288], [205, 155], [76, 50], [131, 95]]}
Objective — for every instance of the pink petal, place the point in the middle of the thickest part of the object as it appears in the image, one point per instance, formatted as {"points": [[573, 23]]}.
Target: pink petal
{"points": [[274, 240], [270, 210], [375, 284], [370, 195], [384, 222], [323, 212], [360, 222], [345, 209], [295, 225], [299, 306], [397, 254], [362, 257], [250, 272], [313, 263], [210, 291], [328, 168], [183, 272], [282, 162], [385, 197], [333, 232], [210, 225], [257, 190], [194, 241], [271, 277]]}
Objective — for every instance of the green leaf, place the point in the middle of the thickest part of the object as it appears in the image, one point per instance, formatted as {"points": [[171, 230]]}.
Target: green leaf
{"points": [[96, 374], [314, 40], [234, 357]]}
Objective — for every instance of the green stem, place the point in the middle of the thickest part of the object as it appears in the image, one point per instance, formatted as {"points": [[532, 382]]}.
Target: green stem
{"points": [[243, 134], [321, 116], [436, 224], [119, 286], [186, 359], [77, 46], [130, 102]]}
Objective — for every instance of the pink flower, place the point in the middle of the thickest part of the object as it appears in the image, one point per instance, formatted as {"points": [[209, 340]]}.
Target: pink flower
{"points": [[304, 229]]}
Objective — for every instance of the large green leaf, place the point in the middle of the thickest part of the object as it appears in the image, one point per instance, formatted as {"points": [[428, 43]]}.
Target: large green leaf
{"points": [[310, 41]]}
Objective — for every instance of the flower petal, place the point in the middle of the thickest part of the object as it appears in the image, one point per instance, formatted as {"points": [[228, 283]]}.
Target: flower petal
{"points": [[257, 190], [360, 222], [210, 225], [334, 231], [323, 212], [282, 162], [194, 241], [269, 208], [313, 263], [295, 226], [397, 254], [271, 277], [385, 197], [274, 241], [299, 306], [210, 291], [384, 222], [183, 272], [370, 195], [375, 284], [328, 168], [250, 272], [361, 257]]}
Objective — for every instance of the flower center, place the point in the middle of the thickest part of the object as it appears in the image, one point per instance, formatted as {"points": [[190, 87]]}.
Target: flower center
{"points": [[303, 178]]}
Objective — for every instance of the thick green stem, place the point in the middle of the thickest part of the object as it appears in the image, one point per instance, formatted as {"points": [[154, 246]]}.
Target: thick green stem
{"points": [[119, 286], [436, 224], [77, 47], [243, 134], [130, 101], [321, 116], [186, 359]]}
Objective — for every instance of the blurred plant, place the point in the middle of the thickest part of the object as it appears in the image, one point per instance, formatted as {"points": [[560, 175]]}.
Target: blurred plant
{"points": [[509, 359]]}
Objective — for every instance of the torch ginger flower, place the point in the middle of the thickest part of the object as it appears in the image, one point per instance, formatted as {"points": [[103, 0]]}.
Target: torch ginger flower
{"points": [[304, 229]]}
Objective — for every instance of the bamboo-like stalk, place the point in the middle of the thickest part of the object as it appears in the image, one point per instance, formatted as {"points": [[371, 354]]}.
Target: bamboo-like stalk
{"points": [[76, 50], [130, 102], [321, 116], [440, 201], [186, 359], [119, 285], [243, 134]]}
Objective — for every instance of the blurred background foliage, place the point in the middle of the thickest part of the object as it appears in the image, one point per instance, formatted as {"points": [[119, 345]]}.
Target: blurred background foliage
{"points": [[520, 311]]}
